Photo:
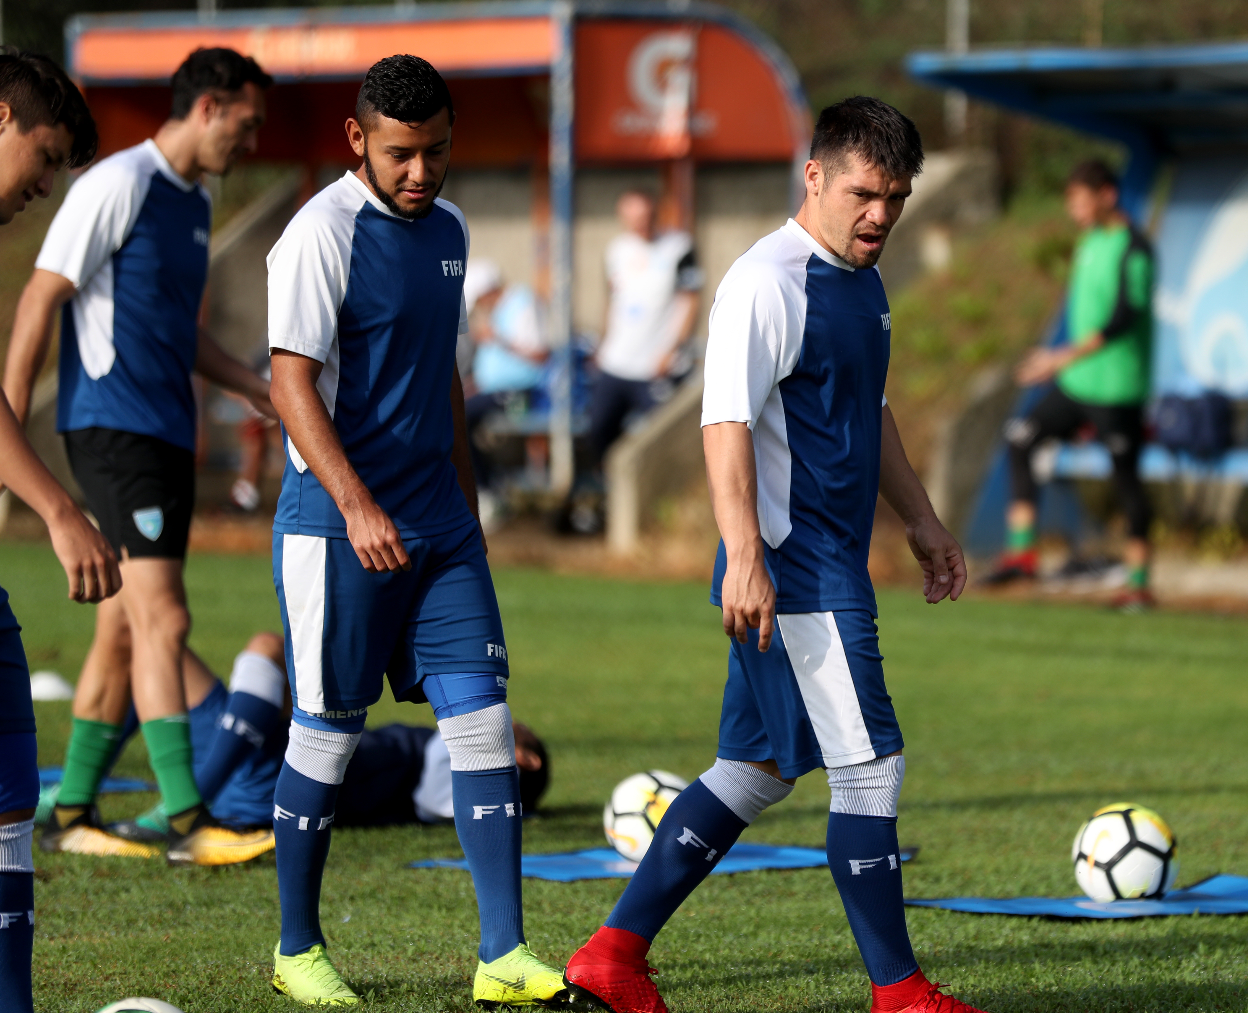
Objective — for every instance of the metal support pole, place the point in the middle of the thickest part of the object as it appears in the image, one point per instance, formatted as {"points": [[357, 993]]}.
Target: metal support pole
{"points": [[957, 40], [562, 168]]}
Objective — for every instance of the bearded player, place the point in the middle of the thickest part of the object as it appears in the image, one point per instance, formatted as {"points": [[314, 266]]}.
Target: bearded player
{"points": [[44, 125], [799, 440], [378, 556]]}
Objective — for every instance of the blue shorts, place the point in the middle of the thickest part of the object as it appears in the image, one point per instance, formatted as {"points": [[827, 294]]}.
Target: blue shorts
{"points": [[815, 699], [19, 772], [346, 627]]}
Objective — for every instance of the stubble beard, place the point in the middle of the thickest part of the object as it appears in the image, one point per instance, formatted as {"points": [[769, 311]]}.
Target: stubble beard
{"points": [[389, 201]]}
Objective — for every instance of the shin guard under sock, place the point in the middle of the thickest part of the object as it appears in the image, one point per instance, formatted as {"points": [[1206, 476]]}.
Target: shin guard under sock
{"points": [[17, 936], [487, 820], [695, 833], [866, 865], [303, 810]]}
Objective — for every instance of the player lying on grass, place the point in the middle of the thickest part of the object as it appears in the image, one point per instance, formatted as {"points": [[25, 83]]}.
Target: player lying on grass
{"points": [[378, 555], [44, 125], [798, 440], [127, 258], [398, 773]]}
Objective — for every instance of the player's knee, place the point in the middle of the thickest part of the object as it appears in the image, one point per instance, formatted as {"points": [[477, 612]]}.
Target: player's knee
{"points": [[868, 789], [481, 740], [166, 621], [260, 675], [15, 846], [270, 645], [320, 755], [744, 788]]}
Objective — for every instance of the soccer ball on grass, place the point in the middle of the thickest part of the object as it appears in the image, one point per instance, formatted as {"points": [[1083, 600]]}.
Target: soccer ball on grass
{"points": [[637, 804], [141, 1005], [1125, 852]]}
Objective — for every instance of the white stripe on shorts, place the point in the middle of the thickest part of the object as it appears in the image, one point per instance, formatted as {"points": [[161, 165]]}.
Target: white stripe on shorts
{"points": [[303, 583], [818, 658]]}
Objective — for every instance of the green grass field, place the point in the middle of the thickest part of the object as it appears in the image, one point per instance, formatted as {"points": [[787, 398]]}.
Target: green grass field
{"points": [[1020, 719]]}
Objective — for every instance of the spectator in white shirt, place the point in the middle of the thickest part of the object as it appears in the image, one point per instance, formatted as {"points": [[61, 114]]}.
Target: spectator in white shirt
{"points": [[653, 284]]}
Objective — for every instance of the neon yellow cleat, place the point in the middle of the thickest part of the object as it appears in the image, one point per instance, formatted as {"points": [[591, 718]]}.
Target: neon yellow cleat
{"points": [[75, 830], [310, 978], [213, 844], [518, 978]]}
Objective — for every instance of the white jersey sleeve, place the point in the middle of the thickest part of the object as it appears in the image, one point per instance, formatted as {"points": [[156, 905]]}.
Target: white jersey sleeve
{"points": [[755, 338], [463, 223], [95, 219]]}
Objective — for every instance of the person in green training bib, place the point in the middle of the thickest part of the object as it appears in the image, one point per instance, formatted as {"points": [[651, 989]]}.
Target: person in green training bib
{"points": [[1102, 376]]}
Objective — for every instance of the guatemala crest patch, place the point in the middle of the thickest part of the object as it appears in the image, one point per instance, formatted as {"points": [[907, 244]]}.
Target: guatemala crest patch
{"points": [[150, 521]]}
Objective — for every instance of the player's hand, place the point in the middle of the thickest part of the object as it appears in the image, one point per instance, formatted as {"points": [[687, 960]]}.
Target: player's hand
{"points": [[1039, 365], [263, 405], [940, 557], [375, 539], [749, 599], [89, 562]]}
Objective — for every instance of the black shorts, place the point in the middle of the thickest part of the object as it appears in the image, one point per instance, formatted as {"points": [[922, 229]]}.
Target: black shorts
{"points": [[140, 489]]}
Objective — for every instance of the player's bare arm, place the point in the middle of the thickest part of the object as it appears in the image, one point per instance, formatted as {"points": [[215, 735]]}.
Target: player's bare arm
{"points": [[43, 296], [371, 532], [749, 599], [460, 456], [938, 552], [214, 363]]}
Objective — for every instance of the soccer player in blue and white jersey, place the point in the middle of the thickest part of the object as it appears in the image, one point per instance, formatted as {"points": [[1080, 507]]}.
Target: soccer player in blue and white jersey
{"points": [[44, 124], [799, 440], [378, 555], [127, 257]]}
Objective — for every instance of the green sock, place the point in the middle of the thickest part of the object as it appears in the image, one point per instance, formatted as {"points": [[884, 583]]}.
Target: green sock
{"points": [[1021, 539], [169, 752], [154, 819], [1137, 578], [92, 747]]}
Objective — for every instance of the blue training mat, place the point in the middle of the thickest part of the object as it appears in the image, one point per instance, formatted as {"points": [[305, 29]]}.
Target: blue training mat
{"points": [[1217, 895], [604, 863], [110, 785]]}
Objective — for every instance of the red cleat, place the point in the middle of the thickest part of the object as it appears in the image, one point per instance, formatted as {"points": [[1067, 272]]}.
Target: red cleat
{"points": [[610, 972], [915, 995]]}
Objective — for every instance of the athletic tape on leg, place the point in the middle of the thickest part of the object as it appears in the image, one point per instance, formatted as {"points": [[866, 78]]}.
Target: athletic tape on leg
{"points": [[320, 755], [260, 676], [867, 789], [15, 853], [482, 740], [743, 788]]}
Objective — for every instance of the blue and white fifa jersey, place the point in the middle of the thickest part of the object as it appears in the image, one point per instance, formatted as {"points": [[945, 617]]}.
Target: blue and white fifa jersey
{"points": [[132, 236], [798, 351], [379, 300]]}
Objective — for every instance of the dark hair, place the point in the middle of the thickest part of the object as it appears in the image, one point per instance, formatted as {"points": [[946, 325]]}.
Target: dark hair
{"points": [[872, 129], [221, 71], [1095, 174], [42, 95], [533, 783], [404, 88]]}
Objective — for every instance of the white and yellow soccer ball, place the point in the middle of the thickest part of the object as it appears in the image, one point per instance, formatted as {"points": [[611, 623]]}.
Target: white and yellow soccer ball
{"points": [[1125, 852], [140, 1005], [637, 804]]}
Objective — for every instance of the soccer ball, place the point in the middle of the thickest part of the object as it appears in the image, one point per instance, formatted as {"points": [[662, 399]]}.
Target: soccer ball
{"points": [[637, 804], [141, 1005], [1124, 852]]}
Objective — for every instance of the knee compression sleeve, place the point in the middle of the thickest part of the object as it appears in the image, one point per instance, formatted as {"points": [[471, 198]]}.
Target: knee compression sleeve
{"points": [[482, 740], [320, 755], [867, 789], [15, 847], [743, 788]]}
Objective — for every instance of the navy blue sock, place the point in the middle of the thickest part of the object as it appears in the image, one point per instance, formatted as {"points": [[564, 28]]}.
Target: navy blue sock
{"points": [[303, 810], [243, 728], [487, 819], [866, 865], [695, 833], [17, 937]]}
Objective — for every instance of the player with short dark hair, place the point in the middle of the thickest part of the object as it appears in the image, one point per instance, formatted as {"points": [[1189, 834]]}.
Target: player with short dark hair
{"points": [[44, 125], [127, 258], [378, 555], [1101, 374], [799, 440]]}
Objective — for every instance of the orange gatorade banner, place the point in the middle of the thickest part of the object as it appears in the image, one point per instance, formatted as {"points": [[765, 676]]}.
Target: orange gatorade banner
{"points": [[309, 50]]}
